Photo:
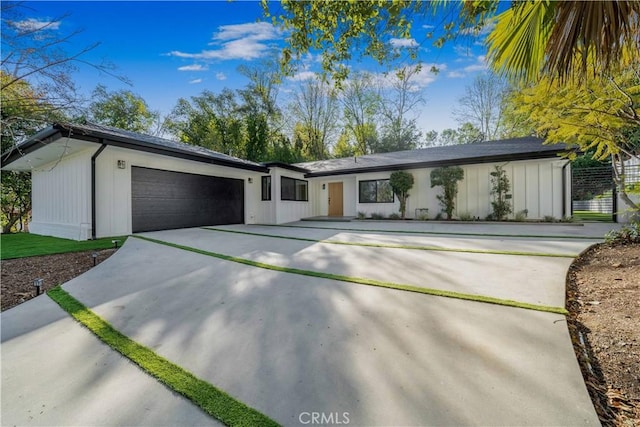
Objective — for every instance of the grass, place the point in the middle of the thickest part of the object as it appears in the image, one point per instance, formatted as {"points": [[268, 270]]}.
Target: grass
{"points": [[363, 281], [213, 401], [394, 246], [441, 233], [592, 216], [22, 245]]}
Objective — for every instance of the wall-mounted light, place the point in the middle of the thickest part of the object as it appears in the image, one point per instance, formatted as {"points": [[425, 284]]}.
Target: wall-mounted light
{"points": [[324, 186], [122, 164], [250, 180]]}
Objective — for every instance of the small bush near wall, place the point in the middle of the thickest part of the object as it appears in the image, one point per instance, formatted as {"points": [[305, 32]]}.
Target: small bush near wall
{"points": [[466, 216], [395, 216], [521, 215], [377, 215], [362, 215]]}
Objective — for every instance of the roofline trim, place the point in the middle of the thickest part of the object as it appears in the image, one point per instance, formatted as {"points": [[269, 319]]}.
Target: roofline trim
{"points": [[285, 166], [440, 163], [56, 131]]}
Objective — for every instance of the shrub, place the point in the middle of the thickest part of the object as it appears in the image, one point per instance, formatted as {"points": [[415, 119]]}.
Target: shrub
{"points": [[362, 215], [395, 216], [438, 216], [500, 187], [447, 178], [549, 218], [466, 216], [401, 182], [521, 215], [423, 216], [377, 215], [630, 233]]}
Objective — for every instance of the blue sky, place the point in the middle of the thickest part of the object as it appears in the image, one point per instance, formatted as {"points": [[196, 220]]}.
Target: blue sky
{"points": [[170, 50]]}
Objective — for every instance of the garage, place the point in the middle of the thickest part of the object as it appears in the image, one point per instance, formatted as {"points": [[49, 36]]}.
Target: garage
{"points": [[163, 200]]}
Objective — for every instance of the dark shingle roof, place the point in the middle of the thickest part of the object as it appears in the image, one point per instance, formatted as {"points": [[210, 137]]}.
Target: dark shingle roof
{"points": [[132, 140], [482, 152]]}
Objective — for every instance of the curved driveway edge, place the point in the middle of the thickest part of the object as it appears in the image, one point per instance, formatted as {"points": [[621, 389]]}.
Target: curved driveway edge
{"points": [[288, 345]]}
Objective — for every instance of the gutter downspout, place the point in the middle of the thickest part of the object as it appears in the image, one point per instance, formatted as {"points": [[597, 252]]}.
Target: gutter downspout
{"points": [[93, 188], [564, 192]]}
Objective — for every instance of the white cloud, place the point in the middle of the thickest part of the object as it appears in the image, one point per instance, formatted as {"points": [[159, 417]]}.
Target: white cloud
{"points": [[193, 67], [303, 76], [195, 81], [398, 43], [428, 27], [455, 74], [240, 41], [480, 65], [33, 24], [221, 76], [485, 30], [463, 51], [419, 81]]}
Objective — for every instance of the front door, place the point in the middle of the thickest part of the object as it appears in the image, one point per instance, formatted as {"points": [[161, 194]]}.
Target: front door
{"points": [[335, 199]]}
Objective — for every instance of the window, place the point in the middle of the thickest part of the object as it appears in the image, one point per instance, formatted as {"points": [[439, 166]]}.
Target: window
{"points": [[294, 189], [376, 191], [266, 188]]}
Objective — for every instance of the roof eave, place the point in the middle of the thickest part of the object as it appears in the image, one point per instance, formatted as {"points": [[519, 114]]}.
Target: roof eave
{"points": [[440, 163]]}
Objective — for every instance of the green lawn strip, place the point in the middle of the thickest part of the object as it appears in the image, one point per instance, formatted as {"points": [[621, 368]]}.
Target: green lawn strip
{"points": [[446, 233], [213, 401], [363, 281], [22, 245], [395, 246]]}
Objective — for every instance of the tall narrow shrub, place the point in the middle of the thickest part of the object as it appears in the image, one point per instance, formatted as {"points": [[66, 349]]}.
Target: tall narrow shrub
{"points": [[447, 178], [500, 187], [401, 182]]}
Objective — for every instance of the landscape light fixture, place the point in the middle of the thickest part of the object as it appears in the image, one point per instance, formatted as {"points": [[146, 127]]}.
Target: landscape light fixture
{"points": [[95, 258], [38, 285], [115, 243]]}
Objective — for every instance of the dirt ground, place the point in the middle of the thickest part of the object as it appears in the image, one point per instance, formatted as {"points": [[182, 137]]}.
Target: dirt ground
{"points": [[16, 281], [603, 298]]}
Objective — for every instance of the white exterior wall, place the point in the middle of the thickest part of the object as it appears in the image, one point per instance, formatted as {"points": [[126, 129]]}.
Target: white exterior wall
{"points": [[349, 194], [536, 185], [286, 210], [61, 197], [113, 186]]}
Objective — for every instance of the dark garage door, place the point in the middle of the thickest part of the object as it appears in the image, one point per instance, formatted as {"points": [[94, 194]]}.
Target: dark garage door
{"points": [[162, 200]]}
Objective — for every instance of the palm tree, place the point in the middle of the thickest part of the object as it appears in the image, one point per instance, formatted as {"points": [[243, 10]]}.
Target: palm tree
{"points": [[561, 38]]}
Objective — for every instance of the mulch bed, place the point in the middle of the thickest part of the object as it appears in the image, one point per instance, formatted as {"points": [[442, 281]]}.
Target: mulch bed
{"points": [[18, 274], [603, 299]]}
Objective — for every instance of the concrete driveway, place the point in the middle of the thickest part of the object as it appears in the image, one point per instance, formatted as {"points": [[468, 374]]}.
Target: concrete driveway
{"points": [[291, 345]]}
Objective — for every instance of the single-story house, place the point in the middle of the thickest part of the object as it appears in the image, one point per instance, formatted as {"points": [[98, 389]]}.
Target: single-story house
{"points": [[91, 181]]}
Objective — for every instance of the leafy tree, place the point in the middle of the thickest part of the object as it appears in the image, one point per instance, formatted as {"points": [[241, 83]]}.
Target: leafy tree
{"points": [[549, 37], [469, 134], [481, 105], [37, 71], [500, 187], [344, 147], [211, 121], [314, 109], [401, 182], [595, 115], [122, 109], [399, 100], [15, 199], [431, 138], [360, 102], [447, 177]]}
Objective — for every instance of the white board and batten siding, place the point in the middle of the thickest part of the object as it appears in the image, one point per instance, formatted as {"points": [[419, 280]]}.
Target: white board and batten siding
{"points": [[283, 211], [61, 197], [349, 194], [113, 186], [536, 185]]}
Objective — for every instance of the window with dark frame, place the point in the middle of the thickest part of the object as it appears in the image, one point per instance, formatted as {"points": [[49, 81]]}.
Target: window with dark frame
{"points": [[266, 188], [292, 189], [376, 191]]}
